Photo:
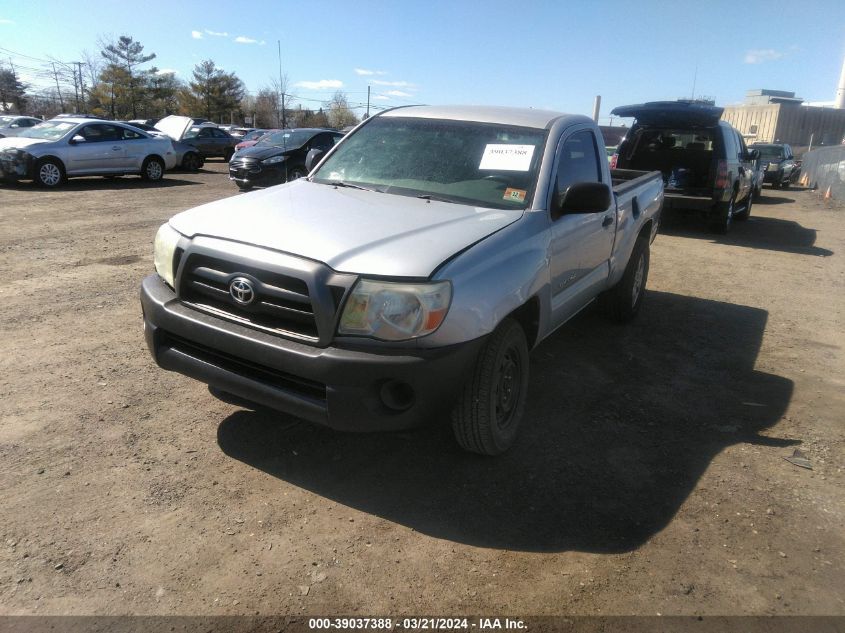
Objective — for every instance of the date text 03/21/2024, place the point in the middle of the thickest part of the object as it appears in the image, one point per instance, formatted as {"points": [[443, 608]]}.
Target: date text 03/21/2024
{"points": [[415, 624]]}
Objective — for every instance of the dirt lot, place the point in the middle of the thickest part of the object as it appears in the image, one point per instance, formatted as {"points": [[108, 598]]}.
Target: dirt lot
{"points": [[650, 476]]}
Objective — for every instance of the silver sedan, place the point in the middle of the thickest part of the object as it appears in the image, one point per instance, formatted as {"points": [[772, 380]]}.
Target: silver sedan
{"points": [[55, 150]]}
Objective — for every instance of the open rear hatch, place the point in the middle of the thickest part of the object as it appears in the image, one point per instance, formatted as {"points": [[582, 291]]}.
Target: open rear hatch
{"points": [[671, 113]]}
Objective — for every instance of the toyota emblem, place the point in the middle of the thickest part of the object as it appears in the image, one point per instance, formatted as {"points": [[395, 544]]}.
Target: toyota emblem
{"points": [[242, 291]]}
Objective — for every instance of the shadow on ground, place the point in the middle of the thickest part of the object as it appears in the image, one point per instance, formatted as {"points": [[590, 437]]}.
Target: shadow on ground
{"points": [[620, 425], [762, 232], [100, 183]]}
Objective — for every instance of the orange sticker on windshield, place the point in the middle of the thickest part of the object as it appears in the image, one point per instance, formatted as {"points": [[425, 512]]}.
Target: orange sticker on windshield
{"points": [[515, 195]]}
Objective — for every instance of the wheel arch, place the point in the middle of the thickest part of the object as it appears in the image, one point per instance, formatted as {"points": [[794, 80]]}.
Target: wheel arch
{"points": [[37, 161]]}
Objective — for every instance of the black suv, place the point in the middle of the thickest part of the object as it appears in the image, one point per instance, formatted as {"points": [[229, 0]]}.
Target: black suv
{"points": [[705, 163], [781, 163], [279, 156]]}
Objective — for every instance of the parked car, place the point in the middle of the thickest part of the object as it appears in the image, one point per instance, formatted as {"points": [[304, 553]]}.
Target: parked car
{"points": [[705, 163], [409, 274], [12, 125], [782, 169], [279, 157], [208, 139], [240, 132], [252, 138], [55, 150], [188, 157]]}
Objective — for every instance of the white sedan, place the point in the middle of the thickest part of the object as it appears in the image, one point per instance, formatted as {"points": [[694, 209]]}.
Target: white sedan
{"points": [[55, 150]]}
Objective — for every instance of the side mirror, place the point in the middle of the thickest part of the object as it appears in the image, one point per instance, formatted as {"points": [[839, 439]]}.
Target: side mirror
{"points": [[585, 197], [78, 138], [313, 157], [753, 154]]}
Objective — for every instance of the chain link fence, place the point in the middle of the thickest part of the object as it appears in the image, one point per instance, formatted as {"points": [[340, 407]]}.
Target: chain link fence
{"points": [[824, 169]]}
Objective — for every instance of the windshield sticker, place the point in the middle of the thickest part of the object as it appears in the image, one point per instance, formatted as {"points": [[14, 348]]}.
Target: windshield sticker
{"points": [[507, 157], [514, 195]]}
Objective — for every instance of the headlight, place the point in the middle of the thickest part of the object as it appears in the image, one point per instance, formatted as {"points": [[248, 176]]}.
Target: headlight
{"points": [[273, 160], [164, 249], [395, 311]]}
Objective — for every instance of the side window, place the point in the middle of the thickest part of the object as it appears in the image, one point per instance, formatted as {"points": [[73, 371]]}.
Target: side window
{"points": [[743, 148], [204, 133], [730, 143], [28, 122], [218, 133], [129, 135], [579, 161], [322, 141], [99, 133]]}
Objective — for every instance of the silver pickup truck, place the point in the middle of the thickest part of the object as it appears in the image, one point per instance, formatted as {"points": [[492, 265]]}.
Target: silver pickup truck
{"points": [[409, 274]]}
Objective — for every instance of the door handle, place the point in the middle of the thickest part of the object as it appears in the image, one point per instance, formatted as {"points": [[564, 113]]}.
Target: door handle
{"points": [[608, 220], [116, 148]]}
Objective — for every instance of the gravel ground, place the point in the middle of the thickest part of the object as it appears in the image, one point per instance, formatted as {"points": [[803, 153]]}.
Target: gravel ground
{"points": [[649, 477]]}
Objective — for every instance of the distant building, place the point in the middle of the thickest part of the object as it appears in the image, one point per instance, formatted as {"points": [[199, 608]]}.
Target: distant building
{"points": [[770, 116]]}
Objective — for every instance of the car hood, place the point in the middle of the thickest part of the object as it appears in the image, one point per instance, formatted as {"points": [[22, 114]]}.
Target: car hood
{"points": [[174, 126], [20, 142], [260, 152], [671, 113], [350, 230]]}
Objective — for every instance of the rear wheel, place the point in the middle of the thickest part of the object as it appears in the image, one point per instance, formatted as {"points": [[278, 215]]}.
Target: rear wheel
{"points": [[785, 184], [743, 215], [191, 161], [723, 216], [228, 155], [622, 302], [49, 173], [152, 169], [487, 416]]}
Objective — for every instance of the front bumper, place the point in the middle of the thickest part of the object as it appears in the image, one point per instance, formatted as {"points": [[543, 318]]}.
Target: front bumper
{"points": [[379, 388], [15, 168], [256, 174]]}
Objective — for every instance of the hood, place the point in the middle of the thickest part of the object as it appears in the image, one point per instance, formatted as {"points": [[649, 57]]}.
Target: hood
{"points": [[350, 230], [671, 113], [20, 142], [174, 126], [261, 152]]}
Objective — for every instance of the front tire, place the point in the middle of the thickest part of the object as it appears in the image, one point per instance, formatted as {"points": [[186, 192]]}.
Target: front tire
{"points": [[489, 411], [228, 155], [623, 301], [152, 169], [743, 215], [295, 173], [49, 173]]}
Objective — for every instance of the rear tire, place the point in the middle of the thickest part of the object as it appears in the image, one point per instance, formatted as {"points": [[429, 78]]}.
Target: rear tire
{"points": [[244, 187], [191, 161], [152, 169], [723, 216], [785, 184], [228, 155], [295, 173], [489, 411], [623, 301]]}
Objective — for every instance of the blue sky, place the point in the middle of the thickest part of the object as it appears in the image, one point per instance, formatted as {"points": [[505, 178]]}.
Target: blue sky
{"points": [[556, 55]]}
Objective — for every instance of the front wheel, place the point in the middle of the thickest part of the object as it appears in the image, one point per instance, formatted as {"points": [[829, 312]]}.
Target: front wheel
{"points": [[489, 411], [295, 173], [152, 169], [743, 215], [49, 173], [228, 155]]}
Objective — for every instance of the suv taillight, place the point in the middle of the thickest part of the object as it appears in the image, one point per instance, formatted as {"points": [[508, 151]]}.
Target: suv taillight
{"points": [[722, 174], [613, 160]]}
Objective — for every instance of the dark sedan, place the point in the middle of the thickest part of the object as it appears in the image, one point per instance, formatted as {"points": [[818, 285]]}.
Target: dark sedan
{"points": [[279, 157]]}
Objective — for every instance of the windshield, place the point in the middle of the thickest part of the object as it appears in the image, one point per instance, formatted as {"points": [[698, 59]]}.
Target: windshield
{"points": [[482, 164], [51, 130], [769, 152], [6, 119], [254, 135], [290, 139]]}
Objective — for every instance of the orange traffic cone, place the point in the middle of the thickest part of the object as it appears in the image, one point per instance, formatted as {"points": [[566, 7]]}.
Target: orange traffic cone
{"points": [[827, 195], [805, 179]]}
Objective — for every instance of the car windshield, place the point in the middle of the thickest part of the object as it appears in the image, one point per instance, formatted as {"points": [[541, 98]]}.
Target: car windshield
{"points": [[50, 130], [254, 135], [6, 119], [290, 139], [482, 164], [769, 152]]}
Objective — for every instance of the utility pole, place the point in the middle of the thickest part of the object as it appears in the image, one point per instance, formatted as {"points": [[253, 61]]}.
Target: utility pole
{"points": [[281, 88], [694, 79], [59, 90], [81, 82], [368, 102]]}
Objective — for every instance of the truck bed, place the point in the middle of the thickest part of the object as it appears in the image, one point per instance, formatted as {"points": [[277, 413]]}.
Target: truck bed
{"points": [[626, 179]]}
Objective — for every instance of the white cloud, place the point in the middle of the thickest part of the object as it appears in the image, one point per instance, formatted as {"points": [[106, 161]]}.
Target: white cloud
{"points": [[167, 71], [366, 73], [395, 84], [217, 33], [6, 21], [381, 98], [398, 93], [323, 84], [759, 56], [240, 39], [197, 35]]}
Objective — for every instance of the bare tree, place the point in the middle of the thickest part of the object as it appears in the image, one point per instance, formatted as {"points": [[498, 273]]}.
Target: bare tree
{"points": [[284, 100], [339, 113]]}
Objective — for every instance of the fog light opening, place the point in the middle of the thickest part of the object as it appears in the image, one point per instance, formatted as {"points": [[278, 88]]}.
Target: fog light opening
{"points": [[397, 395]]}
